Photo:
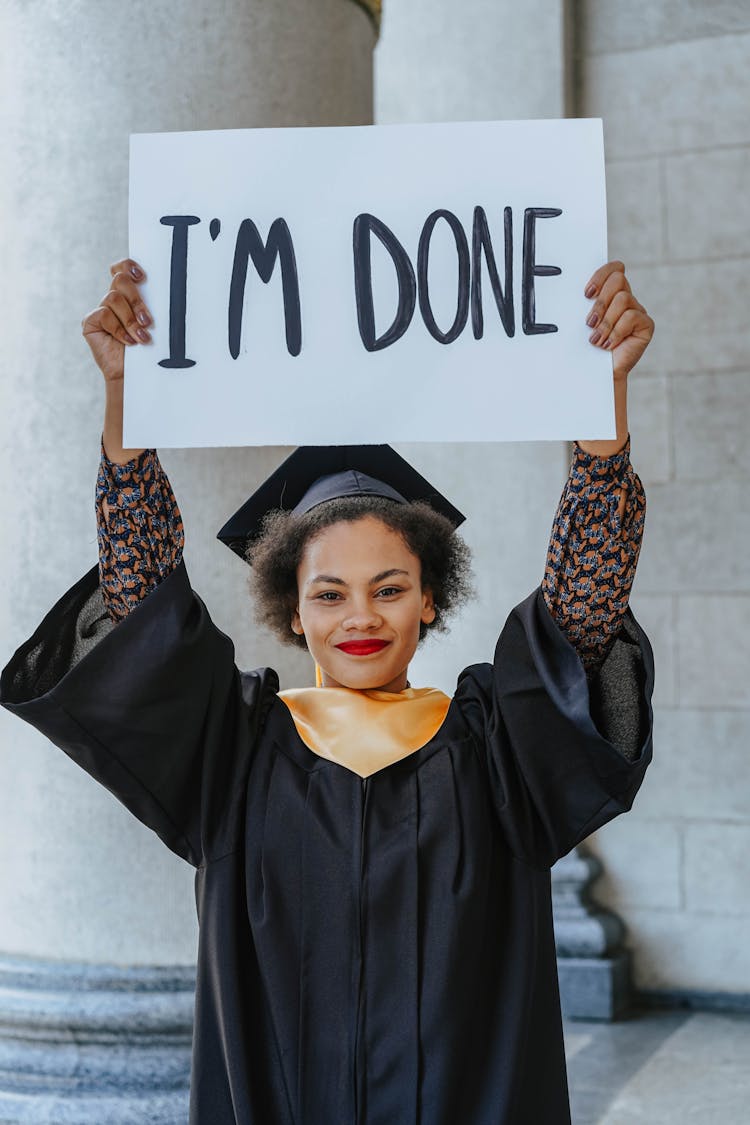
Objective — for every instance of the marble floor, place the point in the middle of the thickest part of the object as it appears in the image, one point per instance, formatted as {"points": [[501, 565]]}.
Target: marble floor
{"points": [[660, 1068]]}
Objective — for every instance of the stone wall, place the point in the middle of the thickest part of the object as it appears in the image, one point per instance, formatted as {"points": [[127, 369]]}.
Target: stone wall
{"points": [[672, 82]]}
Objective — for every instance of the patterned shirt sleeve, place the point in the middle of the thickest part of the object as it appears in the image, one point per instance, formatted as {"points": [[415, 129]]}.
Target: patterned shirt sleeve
{"points": [[142, 538], [593, 552]]}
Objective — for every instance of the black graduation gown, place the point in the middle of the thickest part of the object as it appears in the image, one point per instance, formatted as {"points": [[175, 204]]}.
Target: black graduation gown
{"points": [[376, 952]]}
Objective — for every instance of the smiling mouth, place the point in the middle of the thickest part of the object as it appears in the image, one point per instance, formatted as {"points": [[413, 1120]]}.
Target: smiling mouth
{"points": [[362, 648]]}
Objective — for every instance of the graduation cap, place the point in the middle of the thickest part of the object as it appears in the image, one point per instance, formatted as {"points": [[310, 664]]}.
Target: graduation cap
{"points": [[316, 473]]}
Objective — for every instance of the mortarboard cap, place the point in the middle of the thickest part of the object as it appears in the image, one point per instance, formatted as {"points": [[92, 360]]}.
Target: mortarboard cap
{"points": [[316, 473]]}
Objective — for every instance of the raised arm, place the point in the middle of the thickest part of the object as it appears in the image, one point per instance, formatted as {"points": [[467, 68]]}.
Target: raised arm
{"points": [[120, 321], [598, 527], [619, 324], [593, 552], [565, 710], [154, 709], [139, 530], [139, 527]]}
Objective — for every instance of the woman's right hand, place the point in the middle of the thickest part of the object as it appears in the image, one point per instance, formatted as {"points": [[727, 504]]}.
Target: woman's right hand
{"points": [[121, 320]]}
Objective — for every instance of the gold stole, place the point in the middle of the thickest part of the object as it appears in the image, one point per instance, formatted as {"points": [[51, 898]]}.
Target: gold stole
{"points": [[365, 731]]}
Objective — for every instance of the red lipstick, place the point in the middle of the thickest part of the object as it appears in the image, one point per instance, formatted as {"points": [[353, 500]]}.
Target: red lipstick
{"points": [[362, 648]]}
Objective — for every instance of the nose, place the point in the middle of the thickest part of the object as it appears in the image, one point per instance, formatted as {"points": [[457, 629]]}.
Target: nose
{"points": [[362, 616]]}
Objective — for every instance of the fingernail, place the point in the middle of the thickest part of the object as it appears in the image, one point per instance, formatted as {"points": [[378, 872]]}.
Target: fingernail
{"points": [[129, 340], [607, 344], [136, 272], [142, 335], [592, 320], [595, 337], [590, 290], [143, 317]]}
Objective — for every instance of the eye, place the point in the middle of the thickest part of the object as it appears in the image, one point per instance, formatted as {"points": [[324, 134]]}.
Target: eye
{"points": [[329, 596], [389, 591]]}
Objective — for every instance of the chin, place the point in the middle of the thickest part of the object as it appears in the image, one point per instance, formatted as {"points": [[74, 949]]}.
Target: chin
{"points": [[363, 678]]}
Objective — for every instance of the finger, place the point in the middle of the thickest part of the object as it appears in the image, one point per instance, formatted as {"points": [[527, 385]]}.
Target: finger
{"points": [[104, 320], [632, 323], [597, 279], [124, 312], [123, 283], [621, 301], [129, 266], [614, 283]]}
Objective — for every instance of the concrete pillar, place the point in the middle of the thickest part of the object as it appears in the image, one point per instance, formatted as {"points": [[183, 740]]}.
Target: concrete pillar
{"points": [[82, 882]]}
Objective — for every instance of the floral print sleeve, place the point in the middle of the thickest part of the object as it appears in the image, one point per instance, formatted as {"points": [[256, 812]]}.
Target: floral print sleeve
{"points": [[593, 552], [141, 538]]}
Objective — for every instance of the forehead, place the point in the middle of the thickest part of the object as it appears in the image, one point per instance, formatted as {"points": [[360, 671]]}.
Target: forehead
{"points": [[364, 545]]}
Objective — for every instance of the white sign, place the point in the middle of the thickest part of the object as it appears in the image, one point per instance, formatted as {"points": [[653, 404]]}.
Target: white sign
{"points": [[368, 284]]}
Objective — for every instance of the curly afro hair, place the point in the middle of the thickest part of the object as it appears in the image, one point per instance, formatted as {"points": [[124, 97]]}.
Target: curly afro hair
{"points": [[276, 554]]}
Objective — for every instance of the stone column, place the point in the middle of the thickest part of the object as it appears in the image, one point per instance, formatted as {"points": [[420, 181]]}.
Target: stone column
{"points": [[96, 917]]}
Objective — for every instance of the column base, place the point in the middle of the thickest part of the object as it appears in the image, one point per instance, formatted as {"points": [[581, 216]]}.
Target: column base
{"points": [[86, 1044], [594, 988]]}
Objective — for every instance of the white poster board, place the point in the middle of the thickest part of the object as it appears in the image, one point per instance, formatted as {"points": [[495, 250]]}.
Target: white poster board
{"points": [[367, 284]]}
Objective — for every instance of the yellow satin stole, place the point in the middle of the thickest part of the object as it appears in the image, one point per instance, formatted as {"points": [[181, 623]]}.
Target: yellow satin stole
{"points": [[365, 731]]}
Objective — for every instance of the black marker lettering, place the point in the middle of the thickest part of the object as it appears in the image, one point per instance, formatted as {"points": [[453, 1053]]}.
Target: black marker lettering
{"points": [[250, 245], [364, 226], [532, 270], [464, 270], [178, 289], [481, 241]]}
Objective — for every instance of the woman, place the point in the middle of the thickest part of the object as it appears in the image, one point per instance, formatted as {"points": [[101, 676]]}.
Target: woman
{"points": [[372, 859]]}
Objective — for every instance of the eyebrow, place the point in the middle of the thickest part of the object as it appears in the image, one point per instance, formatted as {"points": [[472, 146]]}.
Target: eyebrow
{"points": [[330, 579]]}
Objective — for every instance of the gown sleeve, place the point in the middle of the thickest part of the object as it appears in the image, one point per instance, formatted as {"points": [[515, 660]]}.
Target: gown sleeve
{"points": [[563, 715], [153, 708], [564, 753]]}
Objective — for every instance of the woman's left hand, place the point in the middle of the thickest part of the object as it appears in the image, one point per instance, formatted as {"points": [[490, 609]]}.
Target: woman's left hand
{"points": [[619, 322]]}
